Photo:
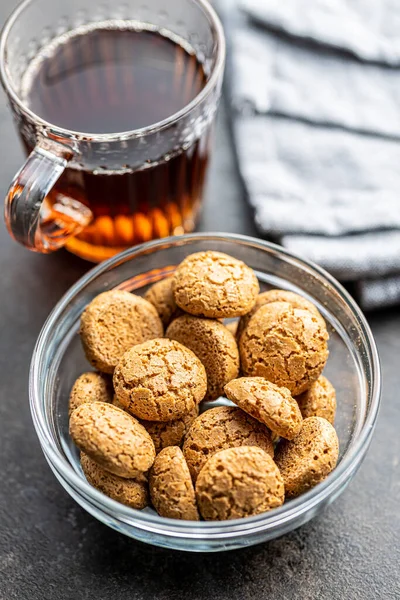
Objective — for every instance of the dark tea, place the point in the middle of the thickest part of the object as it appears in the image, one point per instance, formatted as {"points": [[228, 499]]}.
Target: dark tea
{"points": [[110, 80]]}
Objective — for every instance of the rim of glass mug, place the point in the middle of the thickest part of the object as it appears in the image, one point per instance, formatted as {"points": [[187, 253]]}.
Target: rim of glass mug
{"points": [[205, 531], [117, 136]]}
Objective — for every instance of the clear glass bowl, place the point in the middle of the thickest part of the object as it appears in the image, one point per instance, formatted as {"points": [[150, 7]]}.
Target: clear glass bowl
{"points": [[353, 367]]}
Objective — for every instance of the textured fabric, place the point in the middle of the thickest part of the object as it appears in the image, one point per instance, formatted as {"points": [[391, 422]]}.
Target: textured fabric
{"points": [[293, 79], [367, 28], [361, 256], [304, 179], [377, 293], [317, 135]]}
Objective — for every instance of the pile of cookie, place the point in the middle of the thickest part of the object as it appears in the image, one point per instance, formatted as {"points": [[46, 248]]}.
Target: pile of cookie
{"points": [[136, 419]]}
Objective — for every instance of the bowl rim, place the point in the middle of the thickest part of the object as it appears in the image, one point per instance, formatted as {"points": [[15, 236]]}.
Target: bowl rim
{"points": [[193, 530]]}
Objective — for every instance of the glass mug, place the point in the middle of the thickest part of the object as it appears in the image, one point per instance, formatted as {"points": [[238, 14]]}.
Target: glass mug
{"points": [[98, 193]]}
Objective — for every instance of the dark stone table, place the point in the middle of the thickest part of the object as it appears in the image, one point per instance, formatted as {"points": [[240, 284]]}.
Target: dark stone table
{"points": [[51, 549]]}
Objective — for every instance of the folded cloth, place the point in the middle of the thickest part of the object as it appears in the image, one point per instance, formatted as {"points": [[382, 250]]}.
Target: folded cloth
{"points": [[325, 87], [377, 293], [303, 179], [315, 135], [367, 28]]}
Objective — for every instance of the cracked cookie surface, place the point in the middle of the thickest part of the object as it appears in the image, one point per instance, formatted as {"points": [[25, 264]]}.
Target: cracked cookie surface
{"points": [[171, 487], [309, 457], [213, 284], [112, 323], [159, 380], [272, 405], [238, 482], [319, 400], [220, 428], [213, 344], [130, 492], [277, 295], [161, 296], [286, 345], [90, 387], [113, 439]]}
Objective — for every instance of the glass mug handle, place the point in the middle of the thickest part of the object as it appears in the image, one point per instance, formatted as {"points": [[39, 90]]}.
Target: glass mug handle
{"points": [[39, 220]]}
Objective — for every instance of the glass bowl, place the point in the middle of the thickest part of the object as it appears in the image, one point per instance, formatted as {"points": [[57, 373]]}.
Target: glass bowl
{"points": [[353, 368]]}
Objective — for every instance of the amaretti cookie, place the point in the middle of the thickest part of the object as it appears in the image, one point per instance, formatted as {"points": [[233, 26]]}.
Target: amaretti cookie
{"points": [[309, 457], [114, 322], [220, 428], [171, 487], [90, 387], [213, 344], [170, 433], [161, 296], [268, 403], [116, 441], [292, 298], [213, 284], [160, 380], [286, 345], [131, 492], [166, 433], [319, 400], [238, 482]]}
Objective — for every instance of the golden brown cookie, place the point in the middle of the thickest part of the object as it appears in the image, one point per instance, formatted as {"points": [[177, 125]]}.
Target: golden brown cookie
{"points": [[159, 380], [130, 492], [220, 428], [292, 298], [286, 345], [213, 344], [238, 482], [170, 433], [309, 458], [162, 298], [90, 387], [118, 404], [212, 284], [232, 326], [319, 400], [114, 322], [268, 403], [171, 487], [112, 438]]}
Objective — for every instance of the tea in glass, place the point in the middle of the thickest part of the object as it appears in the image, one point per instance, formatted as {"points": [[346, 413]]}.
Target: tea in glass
{"points": [[106, 79]]}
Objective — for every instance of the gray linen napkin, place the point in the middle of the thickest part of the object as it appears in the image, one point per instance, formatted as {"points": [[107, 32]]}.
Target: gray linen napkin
{"points": [[367, 28], [317, 133]]}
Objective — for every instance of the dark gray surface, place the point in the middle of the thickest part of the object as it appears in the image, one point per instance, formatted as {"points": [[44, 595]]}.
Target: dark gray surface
{"points": [[51, 549]]}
